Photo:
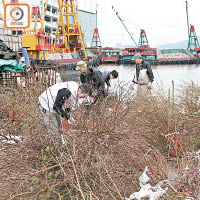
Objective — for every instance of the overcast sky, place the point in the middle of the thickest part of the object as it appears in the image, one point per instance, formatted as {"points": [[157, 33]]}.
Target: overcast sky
{"points": [[163, 20]]}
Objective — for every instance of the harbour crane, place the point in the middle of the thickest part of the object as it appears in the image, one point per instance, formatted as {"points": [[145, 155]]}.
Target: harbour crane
{"points": [[125, 26], [143, 48], [96, 42], [69, 37], [193, 43], [96, 46], [37, 41], [143, 41]]}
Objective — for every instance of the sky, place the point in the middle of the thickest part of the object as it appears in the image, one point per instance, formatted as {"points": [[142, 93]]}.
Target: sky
{"points": [[164, 21]]}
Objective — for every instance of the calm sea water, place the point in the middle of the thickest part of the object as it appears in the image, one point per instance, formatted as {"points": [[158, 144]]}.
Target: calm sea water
{"points": [[164, 74]]}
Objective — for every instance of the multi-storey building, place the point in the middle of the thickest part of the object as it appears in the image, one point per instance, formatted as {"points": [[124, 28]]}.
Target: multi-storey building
{"points": [[86, 15]]}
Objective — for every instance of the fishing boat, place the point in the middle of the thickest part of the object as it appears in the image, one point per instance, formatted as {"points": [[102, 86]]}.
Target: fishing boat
{"points": [[110, 55], [149, 54]]}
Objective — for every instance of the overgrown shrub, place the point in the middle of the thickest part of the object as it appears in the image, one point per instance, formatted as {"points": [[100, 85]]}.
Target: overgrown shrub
{"points": [[104, 152]]}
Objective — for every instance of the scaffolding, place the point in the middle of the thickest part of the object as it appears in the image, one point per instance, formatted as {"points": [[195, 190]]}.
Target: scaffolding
{"points": [[69, 37]]}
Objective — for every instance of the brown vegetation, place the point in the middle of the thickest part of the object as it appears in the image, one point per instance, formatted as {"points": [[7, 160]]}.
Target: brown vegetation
{"points": [[105, 152]]}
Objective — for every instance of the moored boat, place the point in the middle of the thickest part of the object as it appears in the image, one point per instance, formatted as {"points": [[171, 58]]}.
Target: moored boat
{"points": [[110, 55], [149, 54]]}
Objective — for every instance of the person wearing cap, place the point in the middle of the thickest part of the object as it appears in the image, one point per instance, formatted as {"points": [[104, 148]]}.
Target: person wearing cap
{"points": [[143, 75], [92, 77], [61, 98]]}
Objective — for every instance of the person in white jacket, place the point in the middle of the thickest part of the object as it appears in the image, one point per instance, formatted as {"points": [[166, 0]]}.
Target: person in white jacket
{"points": [[61, 98]]}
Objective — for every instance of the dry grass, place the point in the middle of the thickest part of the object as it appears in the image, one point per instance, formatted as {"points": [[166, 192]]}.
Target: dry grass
{"points": [[105, 152]]}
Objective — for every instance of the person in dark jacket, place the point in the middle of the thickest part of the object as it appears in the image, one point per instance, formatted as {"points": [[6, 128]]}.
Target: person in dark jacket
{"points": [[93, 77], [143, 75], [108, 75], [66, 101], [62, 95]]}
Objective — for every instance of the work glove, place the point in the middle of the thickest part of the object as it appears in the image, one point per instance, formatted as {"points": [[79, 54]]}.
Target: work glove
{"points": [[149, 85]]}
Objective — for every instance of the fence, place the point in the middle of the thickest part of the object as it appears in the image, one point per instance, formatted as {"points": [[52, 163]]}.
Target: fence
{"points": [[12, 41], [44, 76]]}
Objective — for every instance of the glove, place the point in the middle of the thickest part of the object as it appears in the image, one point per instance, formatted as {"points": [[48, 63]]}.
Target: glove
{"points": [[149, 86]]}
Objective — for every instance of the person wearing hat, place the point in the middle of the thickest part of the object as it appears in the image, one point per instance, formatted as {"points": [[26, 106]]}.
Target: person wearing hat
{"points": [[61, 98], [143, 75], [92, 77]]}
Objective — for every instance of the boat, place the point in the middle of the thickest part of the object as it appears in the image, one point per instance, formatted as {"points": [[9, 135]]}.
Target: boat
{"points": [[110, 55], [96, 51], [149, 54]]}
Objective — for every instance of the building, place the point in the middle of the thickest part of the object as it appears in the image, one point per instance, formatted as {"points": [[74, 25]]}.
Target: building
{"points": [[86, 15]]}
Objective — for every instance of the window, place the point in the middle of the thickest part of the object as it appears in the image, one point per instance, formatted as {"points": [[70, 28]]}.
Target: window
{"points": [[54, 19], [54, 10], [48, 8], [14, 32], [47, 29], [47, 18], [19, 32]]}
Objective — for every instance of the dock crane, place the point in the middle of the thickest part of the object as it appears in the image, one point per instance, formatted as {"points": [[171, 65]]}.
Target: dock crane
{"points": [[96, 42], [143, 47], [96, 46], [143, 41], [193, 43], [37, 41], [69, 37], [125, 26]]}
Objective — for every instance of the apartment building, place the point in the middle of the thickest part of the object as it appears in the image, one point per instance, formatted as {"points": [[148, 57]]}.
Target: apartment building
{"points": [[86, 15]]}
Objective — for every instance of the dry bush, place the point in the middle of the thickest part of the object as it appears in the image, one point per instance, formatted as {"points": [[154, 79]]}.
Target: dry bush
{"points": [[189, 180], [189, 97], [104, 152]]}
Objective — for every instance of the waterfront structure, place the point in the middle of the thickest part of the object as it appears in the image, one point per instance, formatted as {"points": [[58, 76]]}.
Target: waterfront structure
{"points": [[69, 37], [86, 10], [193, 43], [143, 41]]}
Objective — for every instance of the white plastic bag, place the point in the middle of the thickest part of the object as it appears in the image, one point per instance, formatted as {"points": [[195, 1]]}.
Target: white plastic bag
{"points": [[143, 179], [148, 191]]}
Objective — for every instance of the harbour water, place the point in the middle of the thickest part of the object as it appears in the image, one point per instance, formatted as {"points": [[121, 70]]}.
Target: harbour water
{"points": [[164, 74]]}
